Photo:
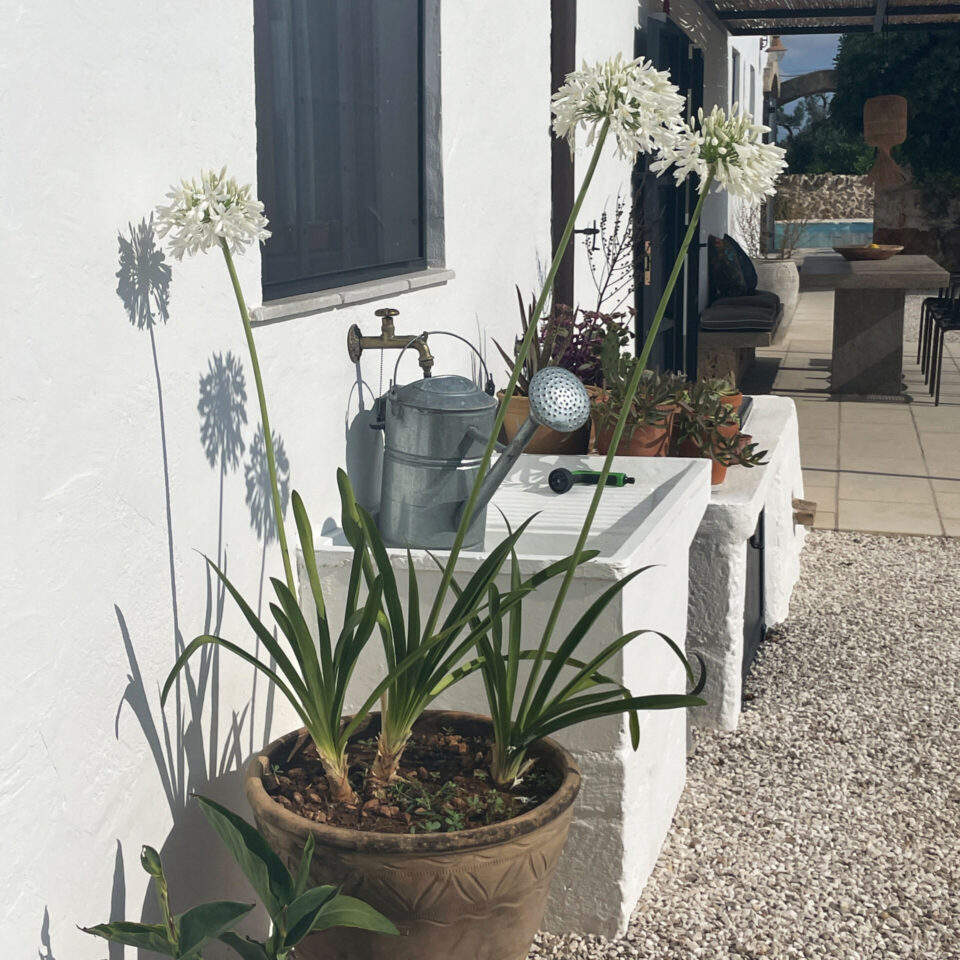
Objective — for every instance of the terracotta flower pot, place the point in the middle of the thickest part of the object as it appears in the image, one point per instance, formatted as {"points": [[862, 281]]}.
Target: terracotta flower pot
{"points": [[544, 440], [648, 440], [735, 400], [478, 893], [718, 471]]}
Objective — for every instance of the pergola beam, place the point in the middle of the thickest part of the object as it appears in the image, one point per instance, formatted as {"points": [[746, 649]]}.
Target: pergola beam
{"points": [[879, 15], [784, 30]]}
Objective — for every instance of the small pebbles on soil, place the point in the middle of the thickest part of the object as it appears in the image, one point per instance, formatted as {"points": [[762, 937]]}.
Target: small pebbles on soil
{"points": [[828, 824]]}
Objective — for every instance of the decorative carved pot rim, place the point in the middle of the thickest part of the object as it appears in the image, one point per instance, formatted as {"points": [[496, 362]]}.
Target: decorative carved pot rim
{"points": [[388, 844]]}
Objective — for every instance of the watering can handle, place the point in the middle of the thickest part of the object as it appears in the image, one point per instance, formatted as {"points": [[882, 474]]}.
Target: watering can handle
{"points": [[445, 333]]}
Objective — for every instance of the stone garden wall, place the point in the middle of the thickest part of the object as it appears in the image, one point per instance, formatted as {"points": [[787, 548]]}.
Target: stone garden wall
{"points": [[921, 222], [824, 196]]}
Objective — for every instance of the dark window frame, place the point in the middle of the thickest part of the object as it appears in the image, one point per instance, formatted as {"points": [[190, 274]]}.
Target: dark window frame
{"points": [[430, 175]]}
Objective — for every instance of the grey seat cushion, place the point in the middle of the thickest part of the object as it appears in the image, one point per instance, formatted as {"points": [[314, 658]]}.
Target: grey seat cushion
{"points": [[762, 298]]}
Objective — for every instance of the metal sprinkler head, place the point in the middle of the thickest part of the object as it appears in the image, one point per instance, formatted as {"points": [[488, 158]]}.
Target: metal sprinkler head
{"points": [[558, 400]]}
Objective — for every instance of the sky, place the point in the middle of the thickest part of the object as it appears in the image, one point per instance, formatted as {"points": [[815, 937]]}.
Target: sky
{"points": [[812, 51]]}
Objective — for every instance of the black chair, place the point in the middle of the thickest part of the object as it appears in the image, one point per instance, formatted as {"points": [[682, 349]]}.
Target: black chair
{"points": [[944, 321], [932, 306]]}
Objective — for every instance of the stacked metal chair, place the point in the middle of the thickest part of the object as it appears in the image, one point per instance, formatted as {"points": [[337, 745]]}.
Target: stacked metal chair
{"points": [[938, 316]]}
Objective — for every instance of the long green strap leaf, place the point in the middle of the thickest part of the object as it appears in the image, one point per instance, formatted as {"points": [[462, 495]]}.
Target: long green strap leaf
{"points": [[533, 703], [305, 532], [265, 635], [205, 638]]}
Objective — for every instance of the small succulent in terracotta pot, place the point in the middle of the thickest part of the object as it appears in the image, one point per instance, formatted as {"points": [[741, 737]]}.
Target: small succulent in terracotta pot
{"points": [[651, 410], [709, 427]]}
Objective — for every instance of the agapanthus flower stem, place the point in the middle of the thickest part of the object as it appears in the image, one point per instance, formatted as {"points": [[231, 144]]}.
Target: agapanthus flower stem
{"points": [[508, 393], [264, 419], [618, 431]]}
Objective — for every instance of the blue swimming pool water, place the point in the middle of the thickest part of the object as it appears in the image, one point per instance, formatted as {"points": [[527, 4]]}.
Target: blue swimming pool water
{"points": [[831, 233]]}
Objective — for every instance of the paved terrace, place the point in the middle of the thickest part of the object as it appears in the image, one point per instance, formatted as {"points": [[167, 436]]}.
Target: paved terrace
{"points": [[877, 467]]}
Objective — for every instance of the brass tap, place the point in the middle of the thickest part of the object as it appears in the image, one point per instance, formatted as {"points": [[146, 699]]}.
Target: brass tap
{"points": [[388, 340]]}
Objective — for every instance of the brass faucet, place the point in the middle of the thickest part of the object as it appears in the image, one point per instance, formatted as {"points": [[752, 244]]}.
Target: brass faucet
{"points": [[388, 340]]}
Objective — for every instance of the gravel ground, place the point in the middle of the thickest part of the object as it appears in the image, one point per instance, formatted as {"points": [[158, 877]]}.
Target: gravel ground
{"points": [[828, 825]]}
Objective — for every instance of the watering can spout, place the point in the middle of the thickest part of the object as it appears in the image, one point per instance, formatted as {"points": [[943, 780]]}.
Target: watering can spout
{"points": [[559, 401]]}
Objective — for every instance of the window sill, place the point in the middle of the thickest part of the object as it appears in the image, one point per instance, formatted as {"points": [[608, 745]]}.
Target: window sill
{"points": [[309, 303]]}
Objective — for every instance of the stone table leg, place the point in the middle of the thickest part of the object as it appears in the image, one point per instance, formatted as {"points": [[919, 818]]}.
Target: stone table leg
{"points": [[867, 342]]}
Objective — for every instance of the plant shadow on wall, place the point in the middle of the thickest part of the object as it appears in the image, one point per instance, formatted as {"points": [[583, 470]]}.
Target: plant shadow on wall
{"points": [[46, 950], [190, 751]]}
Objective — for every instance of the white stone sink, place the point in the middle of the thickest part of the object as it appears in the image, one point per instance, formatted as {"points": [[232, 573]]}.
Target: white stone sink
{"points": [[629, 521], [628, 798]]}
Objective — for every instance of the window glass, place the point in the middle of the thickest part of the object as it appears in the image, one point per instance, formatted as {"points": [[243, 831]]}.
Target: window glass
{"points": [[339, 136]]}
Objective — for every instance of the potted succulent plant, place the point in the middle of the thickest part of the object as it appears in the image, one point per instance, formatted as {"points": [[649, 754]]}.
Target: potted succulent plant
{"points": [[651, 410], [471, 890], [707, 426], [566, 337], [724, 389]]}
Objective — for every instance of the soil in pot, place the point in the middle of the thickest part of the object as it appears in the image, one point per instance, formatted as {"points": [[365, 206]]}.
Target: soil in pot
{"points": [[443, 785], [544, 440], [478, 892]]}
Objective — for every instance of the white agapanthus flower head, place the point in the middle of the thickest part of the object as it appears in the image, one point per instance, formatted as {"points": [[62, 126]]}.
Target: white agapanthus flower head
{"points": [[731, 148], [644, 108], [201, 214]]}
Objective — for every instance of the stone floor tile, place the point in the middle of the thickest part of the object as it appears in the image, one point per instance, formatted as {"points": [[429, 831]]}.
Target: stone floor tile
{"points": [[855, 444], [946, 465], [825, 521], [891, 466], [951, 527], [819, 457], [945, 484], [867, 486], [875, 516], [819, 436], [824, 497], [940, 443], [865, 412], [948, 504], [930, 419]]}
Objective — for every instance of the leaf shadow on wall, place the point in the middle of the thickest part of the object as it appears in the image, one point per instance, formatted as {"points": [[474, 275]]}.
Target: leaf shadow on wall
{"points": [[190, 751], [46, 950]]}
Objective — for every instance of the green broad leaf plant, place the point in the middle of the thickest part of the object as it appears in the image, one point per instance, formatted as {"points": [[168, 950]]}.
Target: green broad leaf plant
{"points": [[296, 909]]}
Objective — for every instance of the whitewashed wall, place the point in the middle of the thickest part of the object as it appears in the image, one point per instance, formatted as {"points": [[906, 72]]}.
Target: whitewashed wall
{"points": [[105, 500], [102, 108]]}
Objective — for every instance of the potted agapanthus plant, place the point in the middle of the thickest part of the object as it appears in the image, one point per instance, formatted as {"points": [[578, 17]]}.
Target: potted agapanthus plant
{"points": [[454, 885]]}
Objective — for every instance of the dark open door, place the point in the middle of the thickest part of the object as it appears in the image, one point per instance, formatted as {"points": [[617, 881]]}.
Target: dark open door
{"points": [[661, 213]]}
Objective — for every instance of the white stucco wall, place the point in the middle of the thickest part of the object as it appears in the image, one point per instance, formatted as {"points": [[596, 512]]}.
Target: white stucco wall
{"points": [[102, 108]]}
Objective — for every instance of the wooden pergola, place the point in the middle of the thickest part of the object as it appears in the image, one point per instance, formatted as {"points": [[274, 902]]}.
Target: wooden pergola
{"points": [[768, 17]]}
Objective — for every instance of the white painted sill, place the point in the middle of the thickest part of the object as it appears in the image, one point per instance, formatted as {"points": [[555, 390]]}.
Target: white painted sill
{"points": [[325, 300]]}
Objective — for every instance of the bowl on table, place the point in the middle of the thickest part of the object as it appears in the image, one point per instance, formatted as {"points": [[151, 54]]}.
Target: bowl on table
{"points": [[869, 251]]}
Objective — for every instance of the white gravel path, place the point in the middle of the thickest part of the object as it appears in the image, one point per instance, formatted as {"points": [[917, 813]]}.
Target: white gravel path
{"points": [[828, 825]]}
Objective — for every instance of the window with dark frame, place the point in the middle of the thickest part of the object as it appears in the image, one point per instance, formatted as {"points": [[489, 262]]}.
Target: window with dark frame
{"points": [[340, 141]]}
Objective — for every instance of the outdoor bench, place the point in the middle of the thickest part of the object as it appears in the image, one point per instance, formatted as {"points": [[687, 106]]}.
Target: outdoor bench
{"points": [[732, 328]]}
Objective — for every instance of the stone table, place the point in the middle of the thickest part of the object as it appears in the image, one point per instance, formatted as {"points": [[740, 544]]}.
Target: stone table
{"points": [[868, 316]]}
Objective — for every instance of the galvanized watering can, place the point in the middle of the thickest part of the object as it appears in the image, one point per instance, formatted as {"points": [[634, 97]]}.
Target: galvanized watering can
{"points": [[435, 432]]}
